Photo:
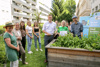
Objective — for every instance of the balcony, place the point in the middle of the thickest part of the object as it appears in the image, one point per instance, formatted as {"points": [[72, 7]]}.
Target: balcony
{"points": [[16, 7], [23, 3], [26, 10], [31, 1], [33, 7], [17, 14]]}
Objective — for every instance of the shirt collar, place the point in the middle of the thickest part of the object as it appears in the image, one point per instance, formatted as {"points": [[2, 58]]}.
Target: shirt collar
{"points": [[49, 22], [76, 24]]}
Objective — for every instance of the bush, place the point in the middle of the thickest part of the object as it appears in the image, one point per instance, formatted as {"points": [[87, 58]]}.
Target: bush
{"points": [[2, 30], [2, 51], [90, 43]]}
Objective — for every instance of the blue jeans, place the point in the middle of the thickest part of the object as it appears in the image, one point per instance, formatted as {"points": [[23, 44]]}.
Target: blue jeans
{"points": [[39, 40], [29, 41]]}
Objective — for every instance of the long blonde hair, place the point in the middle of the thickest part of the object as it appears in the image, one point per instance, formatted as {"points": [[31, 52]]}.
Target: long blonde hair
{"points": [[28, 22]]}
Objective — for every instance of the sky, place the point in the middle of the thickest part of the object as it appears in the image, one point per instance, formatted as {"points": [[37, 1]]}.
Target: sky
{"points": [[47, 2], [76, 2]]}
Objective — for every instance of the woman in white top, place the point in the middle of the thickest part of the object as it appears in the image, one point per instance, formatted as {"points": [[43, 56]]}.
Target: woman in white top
{"points": [[29, 36]]}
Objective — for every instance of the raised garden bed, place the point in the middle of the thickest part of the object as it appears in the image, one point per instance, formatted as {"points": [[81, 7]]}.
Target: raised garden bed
{"points": [[76, 57]]}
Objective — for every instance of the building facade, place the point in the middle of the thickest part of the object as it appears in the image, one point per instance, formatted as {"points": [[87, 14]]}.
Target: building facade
{"points": [[23, 10], [44, 9], [5, 11], [83, 8], [95, 5], [17, 10]]}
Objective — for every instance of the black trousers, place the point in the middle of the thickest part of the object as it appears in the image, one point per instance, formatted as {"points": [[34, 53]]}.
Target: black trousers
{"points": [[47, 40], [23, 44]]}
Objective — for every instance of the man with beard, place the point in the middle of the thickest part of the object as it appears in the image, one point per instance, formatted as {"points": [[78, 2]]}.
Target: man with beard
{"points": [[76, 28]]}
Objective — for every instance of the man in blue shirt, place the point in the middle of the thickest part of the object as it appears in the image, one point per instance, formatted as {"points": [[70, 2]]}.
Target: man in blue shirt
{"points": [[76, 28]]}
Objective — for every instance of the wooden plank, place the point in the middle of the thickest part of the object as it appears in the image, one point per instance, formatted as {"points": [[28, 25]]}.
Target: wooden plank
{"points": [[74, 59], [75, 52], [57, 64]]}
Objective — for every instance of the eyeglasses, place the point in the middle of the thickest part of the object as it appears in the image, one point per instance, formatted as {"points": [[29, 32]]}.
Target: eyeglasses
{"points": [[10, 27]]}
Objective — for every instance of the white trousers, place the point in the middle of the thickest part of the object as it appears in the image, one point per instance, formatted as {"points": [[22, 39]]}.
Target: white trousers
{"points": [[14, 63]]}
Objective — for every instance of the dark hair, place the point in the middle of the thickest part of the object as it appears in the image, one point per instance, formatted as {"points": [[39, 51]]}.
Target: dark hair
{"points": [[36, 23], [22, 27]]}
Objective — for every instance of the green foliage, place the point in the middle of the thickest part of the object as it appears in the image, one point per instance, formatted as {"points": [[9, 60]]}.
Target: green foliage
{"points": [[2, 30], [62, 10], [37, 16], [90, 43], [2, 51], [70, 6]]}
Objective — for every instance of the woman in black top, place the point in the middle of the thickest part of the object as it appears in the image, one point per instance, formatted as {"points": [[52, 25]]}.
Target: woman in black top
{"points": [[36, 32]]}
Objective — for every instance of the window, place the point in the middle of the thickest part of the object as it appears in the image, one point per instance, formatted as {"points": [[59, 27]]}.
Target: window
{"points": [[93, 10], [92, 1], [99, 6], [96, 8], [2, 10]]}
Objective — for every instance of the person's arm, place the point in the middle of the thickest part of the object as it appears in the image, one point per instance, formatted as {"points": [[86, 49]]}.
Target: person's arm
{"points": [[34, 32], [68, 28], [81, 30], [21, 36], [43, 29], [18, 38], [72, 29], [55, 28], [39, 32], [27, 33], [46, 32], [8, 42]]}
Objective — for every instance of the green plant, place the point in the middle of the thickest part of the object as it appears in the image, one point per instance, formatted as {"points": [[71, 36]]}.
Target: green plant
{"points": [[2, 30], [2, 51], [37, 16], [63, 9], [90, 43]]}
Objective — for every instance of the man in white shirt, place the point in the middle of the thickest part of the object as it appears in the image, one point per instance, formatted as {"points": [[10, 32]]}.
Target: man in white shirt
{"points": [[49, 29]]}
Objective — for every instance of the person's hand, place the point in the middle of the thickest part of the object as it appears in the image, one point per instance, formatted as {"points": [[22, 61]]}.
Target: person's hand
{"points": [[48, 34], [37, 36], [31, 37], [19, 38], [17, 48]]}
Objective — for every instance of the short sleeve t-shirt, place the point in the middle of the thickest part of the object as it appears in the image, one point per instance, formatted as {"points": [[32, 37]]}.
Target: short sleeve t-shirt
{"points": [[29, 28], [62, 29], [11, 54]]}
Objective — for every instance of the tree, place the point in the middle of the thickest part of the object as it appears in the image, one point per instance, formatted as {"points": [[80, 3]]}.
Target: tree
{"points": [[57, 9], [37, 16], [70, 5], [63, 10]]}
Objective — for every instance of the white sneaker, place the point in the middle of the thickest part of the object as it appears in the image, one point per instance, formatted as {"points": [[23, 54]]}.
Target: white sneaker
{"points": [[41, 50], [30, 52], [20, 59], [36, 49]]}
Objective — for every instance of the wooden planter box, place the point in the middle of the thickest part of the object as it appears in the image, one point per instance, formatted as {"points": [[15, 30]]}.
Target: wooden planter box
{"points": [[66, 57]]}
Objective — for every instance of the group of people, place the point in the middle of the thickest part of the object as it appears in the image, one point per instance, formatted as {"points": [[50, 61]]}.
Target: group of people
{"points": [[15, 38], [54, 29]]}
